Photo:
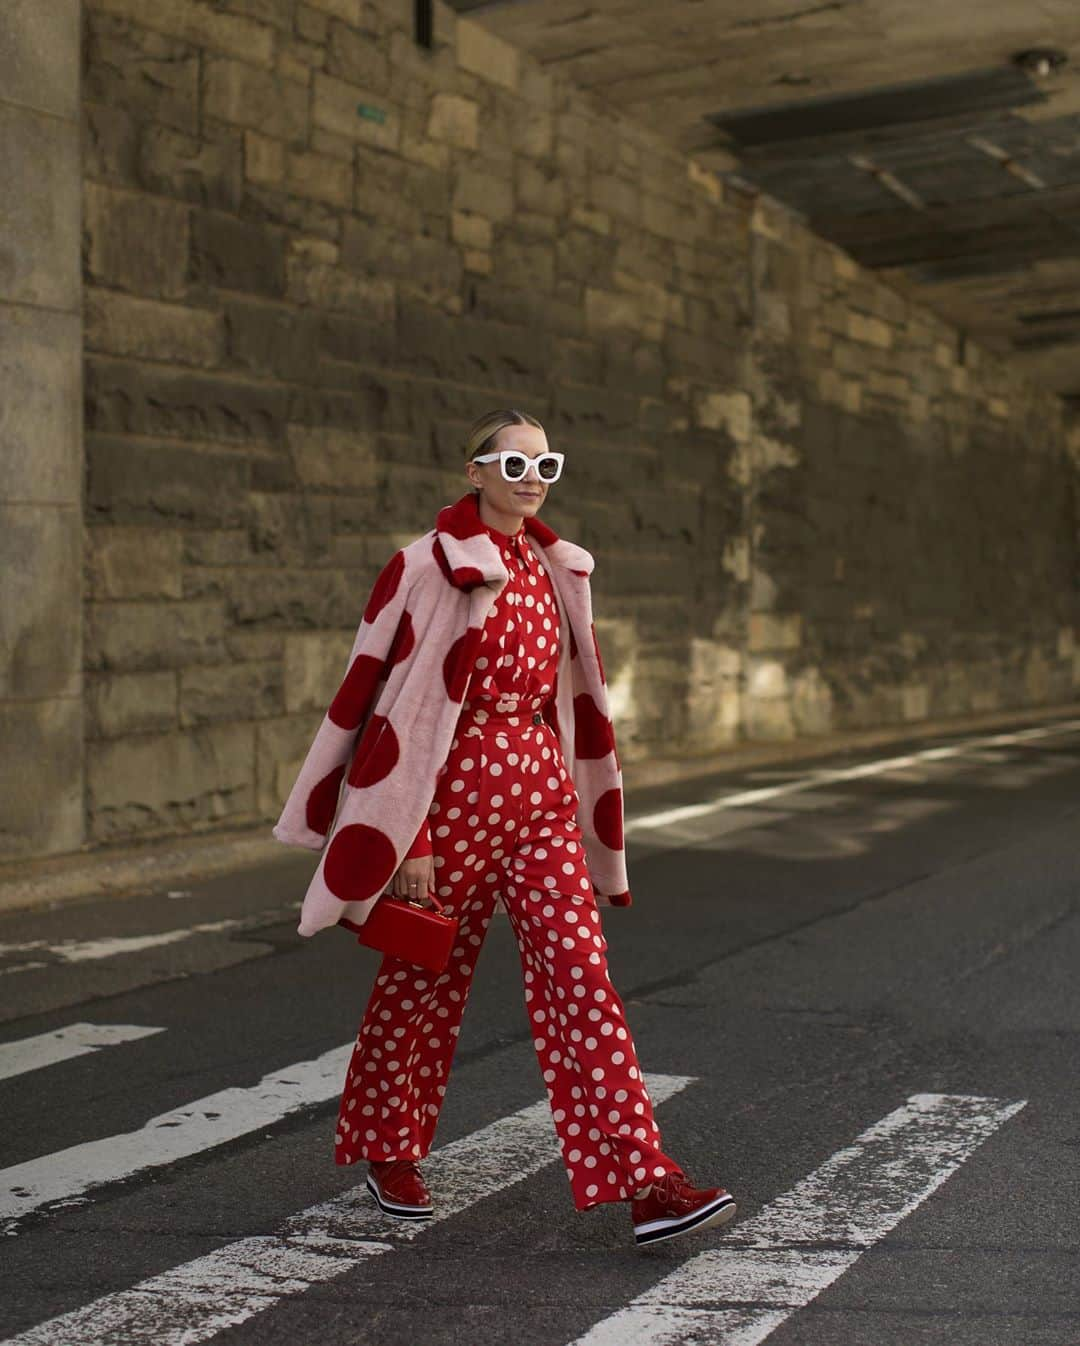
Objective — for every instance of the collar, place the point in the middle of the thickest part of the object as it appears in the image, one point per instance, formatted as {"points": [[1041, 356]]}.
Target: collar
{"points": [[469, 551]]}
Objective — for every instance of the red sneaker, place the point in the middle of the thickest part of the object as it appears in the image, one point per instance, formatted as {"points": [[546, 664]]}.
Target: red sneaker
{"points": [[399, 1189], [673, 1207]]}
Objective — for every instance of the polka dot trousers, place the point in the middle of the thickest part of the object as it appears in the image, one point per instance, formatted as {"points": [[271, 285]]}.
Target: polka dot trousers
{"points": [[504, 823]]}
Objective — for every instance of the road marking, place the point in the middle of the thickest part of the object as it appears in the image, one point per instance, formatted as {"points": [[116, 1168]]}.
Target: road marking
{"points": [[90, 950], [195, 1301], [46, 1049], [828, 776], [773, 1264], [184, 1131]]}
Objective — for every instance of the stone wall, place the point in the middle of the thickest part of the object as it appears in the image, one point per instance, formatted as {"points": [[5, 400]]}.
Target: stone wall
{"points": [[314, 252], [41, 656]]}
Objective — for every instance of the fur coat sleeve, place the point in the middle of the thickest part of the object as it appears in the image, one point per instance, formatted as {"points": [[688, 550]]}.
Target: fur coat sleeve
{"points": [[370, 774]]}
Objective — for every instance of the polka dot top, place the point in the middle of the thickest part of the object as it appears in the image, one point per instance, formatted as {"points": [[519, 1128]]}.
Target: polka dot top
{"points": [[514, 673]]}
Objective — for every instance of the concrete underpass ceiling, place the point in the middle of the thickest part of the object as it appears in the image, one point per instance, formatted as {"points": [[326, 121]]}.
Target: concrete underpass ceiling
{"points": [[902, 130]]}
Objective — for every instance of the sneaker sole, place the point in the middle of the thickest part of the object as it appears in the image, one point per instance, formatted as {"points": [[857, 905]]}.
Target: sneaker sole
{"points": [[392, 1208], [719, 1212]]}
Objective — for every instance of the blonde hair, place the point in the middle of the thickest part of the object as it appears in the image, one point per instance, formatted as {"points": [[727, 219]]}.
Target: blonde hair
{"points": [[482, 432]]}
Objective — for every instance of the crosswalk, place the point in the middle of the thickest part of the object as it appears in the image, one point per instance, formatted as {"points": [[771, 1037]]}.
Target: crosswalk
{"points": [[736, 1292]]}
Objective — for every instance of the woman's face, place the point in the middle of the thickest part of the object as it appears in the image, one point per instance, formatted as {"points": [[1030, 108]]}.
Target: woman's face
{"points": [[512, 497]]}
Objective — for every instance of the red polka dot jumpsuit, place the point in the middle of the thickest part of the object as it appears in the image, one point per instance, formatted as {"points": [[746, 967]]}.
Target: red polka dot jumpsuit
{"points": [[504, 822]]}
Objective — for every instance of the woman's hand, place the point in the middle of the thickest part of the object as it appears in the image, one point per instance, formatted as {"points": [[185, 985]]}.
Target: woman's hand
{"points": [[420, 872]]}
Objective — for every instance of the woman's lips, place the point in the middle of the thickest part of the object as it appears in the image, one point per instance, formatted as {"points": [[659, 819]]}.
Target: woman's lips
{"points": [[528, 495]]}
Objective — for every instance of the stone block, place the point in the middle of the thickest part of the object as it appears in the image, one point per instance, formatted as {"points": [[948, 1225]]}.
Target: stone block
{"points": [[152, 77], [39, 227], [41, 420], [260, 99], [349, 11], [357, 58], [41, 779], [611, 310], [296, 530], [334, 288], [238, 254], [484, 190], [471, 231], [135, 636], [774, 631], [315, 663], [120, 324], [313, 25], [136, 242], [329, 459], [429, 266], [319, 177], [234, 692], [133, 563], [812, 709], [730, 411], [525, 266], [614, 195], [272, 340], [280, 748], [41, 55], [130, 703], [713, 695], [206, 170], [341, 107], [149, 399], [482, 53], [296, 599], [264, 159], [455, 120], [167, 783], [202, 24], [110, 145], [132, 482], [40, 599]]}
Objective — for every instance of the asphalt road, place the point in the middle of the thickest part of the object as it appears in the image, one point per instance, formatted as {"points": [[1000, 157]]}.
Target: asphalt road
{"points": [[797, 968]]}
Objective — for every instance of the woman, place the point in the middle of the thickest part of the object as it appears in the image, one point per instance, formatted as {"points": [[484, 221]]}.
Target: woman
{"points": [[477, 655]]}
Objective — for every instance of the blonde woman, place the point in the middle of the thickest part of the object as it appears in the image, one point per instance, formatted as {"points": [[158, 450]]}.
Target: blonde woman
{"points": [[474, 727]]}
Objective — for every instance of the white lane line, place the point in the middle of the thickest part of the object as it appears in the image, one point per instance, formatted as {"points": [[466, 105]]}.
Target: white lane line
{"points": [[827, 776], [90, 950], [775, 1263], [195, 1301], [184, 1131], [46, 1049]]}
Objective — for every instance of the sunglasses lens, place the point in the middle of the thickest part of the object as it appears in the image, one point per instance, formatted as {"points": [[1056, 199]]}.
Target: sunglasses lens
{"points": [[547, 469], [516, 466]]}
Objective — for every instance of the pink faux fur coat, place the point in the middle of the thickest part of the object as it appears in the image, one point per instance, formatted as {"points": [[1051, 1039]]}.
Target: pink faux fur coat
{"points": [[391, 724]]}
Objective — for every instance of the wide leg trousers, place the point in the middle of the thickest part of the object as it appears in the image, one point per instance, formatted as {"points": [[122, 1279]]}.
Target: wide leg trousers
{"points": [[504, 823]]}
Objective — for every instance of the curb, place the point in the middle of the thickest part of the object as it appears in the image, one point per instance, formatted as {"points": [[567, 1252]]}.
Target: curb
{"points": [[117, 871]]}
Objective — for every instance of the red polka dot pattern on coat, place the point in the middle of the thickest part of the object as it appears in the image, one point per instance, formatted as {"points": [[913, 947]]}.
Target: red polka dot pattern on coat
{"points": [[377, 754], [593, 733], [359, 862], [403, 643], [322, 801], [385, 586], [459, 661], [607, 819], [354, 696]]}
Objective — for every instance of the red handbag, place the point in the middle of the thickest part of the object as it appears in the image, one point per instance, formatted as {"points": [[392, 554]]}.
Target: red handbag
{"points": [[405, 929]]}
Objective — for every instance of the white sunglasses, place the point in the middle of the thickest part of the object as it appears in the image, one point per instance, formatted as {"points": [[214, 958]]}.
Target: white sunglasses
{"points": [[514, 465]]}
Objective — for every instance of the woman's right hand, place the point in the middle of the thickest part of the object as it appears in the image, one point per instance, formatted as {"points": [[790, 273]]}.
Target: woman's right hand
{"points": [[420, 872]]}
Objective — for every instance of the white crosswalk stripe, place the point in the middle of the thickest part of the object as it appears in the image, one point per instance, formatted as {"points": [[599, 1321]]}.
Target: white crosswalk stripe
{"points": [[47, 1049], [173, 1135], [193, 1302], [769, 1266]]}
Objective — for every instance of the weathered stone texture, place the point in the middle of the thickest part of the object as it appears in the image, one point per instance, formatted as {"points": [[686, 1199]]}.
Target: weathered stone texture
{"points": [[314, 253]]}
